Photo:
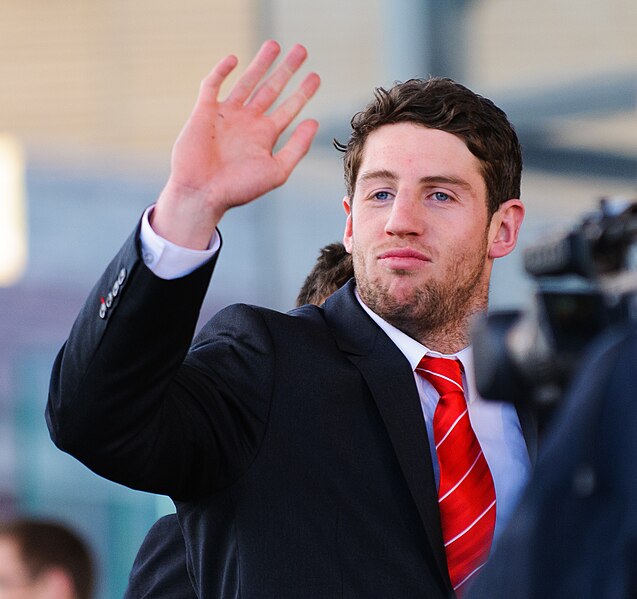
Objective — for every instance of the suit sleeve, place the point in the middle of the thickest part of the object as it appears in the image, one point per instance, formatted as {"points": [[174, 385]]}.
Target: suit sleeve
{"points": [[131, 400]]}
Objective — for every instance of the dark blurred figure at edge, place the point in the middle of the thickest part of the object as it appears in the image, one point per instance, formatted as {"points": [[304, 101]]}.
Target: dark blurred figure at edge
{"points": [[574, 534]]}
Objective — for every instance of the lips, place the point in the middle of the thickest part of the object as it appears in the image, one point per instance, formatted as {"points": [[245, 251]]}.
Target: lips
{"points": [[403, 258]]}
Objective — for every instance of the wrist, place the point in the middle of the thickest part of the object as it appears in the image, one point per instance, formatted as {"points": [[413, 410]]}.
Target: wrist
{"points": [[185, 216]]}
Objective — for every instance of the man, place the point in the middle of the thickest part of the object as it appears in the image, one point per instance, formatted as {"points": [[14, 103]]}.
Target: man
{"points": [[160, 569], [43, 559], [299, 447]]}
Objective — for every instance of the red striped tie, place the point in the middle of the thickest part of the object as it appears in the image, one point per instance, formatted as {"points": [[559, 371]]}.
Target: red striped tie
{"points": [[466, 495]]}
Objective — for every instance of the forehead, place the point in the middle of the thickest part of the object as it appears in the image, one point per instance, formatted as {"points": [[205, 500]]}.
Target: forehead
{"points": [[414, 148]]}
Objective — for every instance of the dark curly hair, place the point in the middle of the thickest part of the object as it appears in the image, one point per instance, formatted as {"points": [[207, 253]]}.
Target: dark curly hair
{"points": [[441, 103], [332, 270]]}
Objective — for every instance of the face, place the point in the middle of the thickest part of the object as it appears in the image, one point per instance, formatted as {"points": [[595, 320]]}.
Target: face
{"points": [[15, 581], [419, 233]]}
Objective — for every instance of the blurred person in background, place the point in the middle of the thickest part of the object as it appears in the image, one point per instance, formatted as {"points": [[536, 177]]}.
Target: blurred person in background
{"points": [[333, 268], [41, 559]]}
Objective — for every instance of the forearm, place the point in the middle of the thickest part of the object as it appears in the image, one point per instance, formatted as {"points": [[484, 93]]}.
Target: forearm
{"points": [[115, 372]]}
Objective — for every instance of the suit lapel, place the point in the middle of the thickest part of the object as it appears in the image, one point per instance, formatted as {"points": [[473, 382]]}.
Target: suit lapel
{"points": [[391, 382]]}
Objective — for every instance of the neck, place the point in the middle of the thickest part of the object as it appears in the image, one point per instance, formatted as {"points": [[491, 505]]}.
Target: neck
{"points": [[447, 339]]}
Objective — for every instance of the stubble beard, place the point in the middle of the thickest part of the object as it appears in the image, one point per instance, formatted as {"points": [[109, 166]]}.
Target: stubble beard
{"points": [[437, 313]]}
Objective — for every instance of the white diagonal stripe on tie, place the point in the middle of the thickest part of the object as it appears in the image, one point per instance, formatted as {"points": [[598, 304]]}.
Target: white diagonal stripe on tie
{"points": [[468, 576], [451, 428], [466, 530], [442, 376], [450, 491]]}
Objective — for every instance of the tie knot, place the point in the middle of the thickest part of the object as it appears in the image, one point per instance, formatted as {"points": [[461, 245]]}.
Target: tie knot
{"points": [[443, 373]]}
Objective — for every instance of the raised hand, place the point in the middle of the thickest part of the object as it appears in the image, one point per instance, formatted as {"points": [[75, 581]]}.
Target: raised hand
{"points": [[224, 155]]}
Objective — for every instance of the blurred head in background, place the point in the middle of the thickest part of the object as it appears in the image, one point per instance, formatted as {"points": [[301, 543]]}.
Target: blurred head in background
{"points": [[43, 560]]}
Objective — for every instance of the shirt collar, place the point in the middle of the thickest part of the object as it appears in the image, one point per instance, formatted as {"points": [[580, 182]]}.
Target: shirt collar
{"points": [[414, 350]]}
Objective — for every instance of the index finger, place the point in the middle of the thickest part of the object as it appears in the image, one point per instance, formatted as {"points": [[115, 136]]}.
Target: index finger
{"points": [[210, 85]]}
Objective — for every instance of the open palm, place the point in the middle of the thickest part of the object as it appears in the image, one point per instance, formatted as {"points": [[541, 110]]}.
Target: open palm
{"points": [[224, 156]]}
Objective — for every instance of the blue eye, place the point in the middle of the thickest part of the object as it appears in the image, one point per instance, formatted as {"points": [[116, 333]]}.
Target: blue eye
{"points": [[382, 195], [441, 196]]}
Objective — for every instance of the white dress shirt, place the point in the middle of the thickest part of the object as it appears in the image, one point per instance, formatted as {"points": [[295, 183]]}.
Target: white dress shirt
{"points": [[496, 424]]}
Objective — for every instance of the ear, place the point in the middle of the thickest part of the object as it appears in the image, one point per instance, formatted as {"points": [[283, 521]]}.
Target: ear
{"points": [[347, 235], [505, 227]]}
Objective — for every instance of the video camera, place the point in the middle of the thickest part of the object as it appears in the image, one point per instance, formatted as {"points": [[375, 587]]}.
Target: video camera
{"points": [[586, 282]]}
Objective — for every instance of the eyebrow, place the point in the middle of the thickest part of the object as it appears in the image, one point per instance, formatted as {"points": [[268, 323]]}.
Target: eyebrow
{"points": [[435, 179], [378, 174], [449, 180]]}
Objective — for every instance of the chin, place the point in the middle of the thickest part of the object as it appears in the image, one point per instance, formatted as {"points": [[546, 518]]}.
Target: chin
{"points": [[387, 299], [403, 290]]}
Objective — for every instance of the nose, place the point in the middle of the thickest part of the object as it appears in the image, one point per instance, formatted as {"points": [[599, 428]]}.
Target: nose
{"points": [[405, 216]]}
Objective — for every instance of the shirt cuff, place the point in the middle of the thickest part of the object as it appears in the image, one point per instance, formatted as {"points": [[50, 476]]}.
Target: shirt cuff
{"points": [[168, 260]]}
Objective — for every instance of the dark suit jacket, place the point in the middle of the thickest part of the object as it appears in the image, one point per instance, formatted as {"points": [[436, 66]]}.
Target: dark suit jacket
{"points": [[160, 570], [293, 444], [575, 531]]}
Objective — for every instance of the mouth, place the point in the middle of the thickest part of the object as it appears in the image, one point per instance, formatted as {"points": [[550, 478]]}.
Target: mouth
{"points": [[402, 259]]}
